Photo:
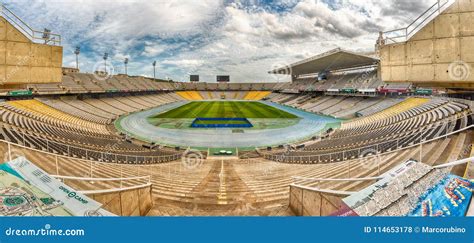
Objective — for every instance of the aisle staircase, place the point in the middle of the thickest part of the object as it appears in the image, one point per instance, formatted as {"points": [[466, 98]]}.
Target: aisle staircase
{"points": [[221, 192]]}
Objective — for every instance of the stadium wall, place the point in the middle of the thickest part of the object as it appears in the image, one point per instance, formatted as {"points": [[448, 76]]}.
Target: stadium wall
{"points": [[440, 54], [305, 202], [133, 202], [23, 62]]}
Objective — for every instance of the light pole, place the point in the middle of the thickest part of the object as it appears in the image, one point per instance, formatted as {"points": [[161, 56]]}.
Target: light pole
{"points": [[125, 62], [77, 52], [154, 70], [106, 55]]}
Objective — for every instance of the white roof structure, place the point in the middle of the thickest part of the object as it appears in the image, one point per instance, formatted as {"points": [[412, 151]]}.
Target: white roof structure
{"points": [[335, 59]]}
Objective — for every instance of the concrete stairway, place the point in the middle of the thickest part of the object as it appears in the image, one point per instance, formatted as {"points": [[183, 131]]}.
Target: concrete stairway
{"points": [[221, 192]]}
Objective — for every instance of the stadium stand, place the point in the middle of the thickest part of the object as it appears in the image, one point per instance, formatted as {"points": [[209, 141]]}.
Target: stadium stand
{"points": [[190, 95], [270, 180], [256, 95], [400, 125], [391, 111], [59, 127], [379, 106], [70, 129], [35, 108], [180, 191], [80, 109], [47, 129]]}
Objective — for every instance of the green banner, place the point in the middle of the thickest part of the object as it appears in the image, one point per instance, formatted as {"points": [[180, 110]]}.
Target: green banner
{"points": [[348, 90], [424, 91], [20, 93]]}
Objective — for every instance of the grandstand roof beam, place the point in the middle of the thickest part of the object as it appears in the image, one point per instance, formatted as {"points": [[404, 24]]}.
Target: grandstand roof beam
{"points": [[336, 59]]}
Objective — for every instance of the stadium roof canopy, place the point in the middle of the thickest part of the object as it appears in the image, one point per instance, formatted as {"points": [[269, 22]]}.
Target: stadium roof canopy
{"points": [[336, 59]]}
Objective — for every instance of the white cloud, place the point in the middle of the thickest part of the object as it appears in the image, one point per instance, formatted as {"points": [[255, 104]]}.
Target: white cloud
{"points": [[151, 51], [184, 62], [236, 38]]}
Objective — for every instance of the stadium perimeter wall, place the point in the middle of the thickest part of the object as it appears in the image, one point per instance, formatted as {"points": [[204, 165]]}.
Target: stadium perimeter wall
{"points": [[441, 54], [133, 202]]}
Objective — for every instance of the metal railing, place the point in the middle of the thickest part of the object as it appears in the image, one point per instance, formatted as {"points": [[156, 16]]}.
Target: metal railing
{"points": [[302, 182], [37, 36], [454, 163], [309, 179], [91, 192], [404, 34], [148, 178], [328, 191], [122, 181]]}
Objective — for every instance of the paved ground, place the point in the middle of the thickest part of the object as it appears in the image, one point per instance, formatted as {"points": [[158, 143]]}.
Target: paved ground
{"points": [[136, 125]]}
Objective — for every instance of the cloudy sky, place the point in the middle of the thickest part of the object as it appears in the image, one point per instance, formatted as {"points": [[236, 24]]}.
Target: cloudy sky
{"points": [[243, 38]]}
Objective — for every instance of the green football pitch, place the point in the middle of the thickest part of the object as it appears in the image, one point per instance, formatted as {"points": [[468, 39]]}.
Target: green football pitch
{"points": [[225, 109]]}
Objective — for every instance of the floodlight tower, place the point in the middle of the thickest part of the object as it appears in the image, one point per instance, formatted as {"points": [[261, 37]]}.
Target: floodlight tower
{"points": [[125, 62], [154, 70], [106, 56], [77, 52]]}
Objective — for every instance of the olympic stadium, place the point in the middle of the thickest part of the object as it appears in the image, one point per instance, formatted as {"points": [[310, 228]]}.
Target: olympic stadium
{"points": [[380, 133]]}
